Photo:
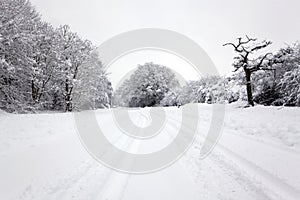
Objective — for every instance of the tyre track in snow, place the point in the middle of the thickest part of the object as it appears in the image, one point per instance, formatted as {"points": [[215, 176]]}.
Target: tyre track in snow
{"points": [[271, 182], [55, 188], [222, 164], [225, 174], [217, 179], [95, 185], [85, 181], [265, 182], [211, 179], [117, 182], [98, 186]]}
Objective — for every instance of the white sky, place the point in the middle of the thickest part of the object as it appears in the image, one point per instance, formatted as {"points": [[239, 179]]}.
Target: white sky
{"points": [[123, 67], [210, 23]]}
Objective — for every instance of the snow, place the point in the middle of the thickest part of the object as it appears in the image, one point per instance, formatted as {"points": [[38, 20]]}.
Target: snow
{"points": [[269, 124], [257, 157]]}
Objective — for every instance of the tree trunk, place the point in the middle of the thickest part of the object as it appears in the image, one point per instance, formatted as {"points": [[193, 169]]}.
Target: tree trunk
{"points": [[68, 105], [34, 92], [249, 87], [68, 98]]}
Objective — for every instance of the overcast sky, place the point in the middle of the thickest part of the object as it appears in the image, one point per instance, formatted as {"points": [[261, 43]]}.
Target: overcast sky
{"points": [[210, 23]]}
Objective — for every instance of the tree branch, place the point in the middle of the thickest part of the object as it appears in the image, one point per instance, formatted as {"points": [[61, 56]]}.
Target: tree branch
{"points": [[262, 60], [236, 47], [240, 44], [265, 44]]}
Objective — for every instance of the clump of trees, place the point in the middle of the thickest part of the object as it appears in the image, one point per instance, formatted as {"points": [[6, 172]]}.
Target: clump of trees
{"points": [[47, 68], [209, 89], [40, 65], [147, 86], [270, 79], [278, 81]]}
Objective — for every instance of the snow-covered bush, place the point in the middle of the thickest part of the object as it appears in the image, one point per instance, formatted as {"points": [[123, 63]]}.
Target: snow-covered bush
{"points": [[289, 86], [170, 99]]}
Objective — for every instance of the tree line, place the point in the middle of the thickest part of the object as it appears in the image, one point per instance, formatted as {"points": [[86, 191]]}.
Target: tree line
{"points": [[51, 68], [43, 68], [268, 79]]}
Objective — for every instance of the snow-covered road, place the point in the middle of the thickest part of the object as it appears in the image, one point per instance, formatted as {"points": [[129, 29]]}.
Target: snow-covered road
{"points": [[257, 157]]}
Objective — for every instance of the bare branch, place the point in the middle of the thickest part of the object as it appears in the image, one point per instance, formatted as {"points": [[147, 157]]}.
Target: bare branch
{"points": [[266, 69], [265, 44], [262, 60], [230, 44], [240, 44], [245, 50], [260, 64], [236, 47], [248, 40], [236, 69]]}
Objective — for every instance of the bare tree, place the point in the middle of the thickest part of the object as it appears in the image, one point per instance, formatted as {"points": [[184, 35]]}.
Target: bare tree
{"points": [[245, 48]]}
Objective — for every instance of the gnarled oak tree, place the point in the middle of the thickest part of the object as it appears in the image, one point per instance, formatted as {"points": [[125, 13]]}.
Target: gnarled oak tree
{"points": [[245, 48]]}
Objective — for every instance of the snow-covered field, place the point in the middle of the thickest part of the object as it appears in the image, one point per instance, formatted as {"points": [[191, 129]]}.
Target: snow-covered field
{"points": [[257, 157]]}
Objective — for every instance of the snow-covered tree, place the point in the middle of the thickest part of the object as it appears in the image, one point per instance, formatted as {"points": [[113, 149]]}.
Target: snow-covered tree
{"points": [[289, 83], [73, 53], [18, 21], [92, 89], [147, 86], [245, 49], [290, 87], [210, 89], [45, 66], [38, 63], [272, 88]]}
